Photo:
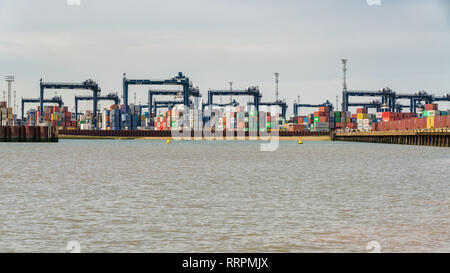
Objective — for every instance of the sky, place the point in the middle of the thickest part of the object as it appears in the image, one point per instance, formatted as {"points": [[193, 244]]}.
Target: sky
{"points": [[401, 44]]}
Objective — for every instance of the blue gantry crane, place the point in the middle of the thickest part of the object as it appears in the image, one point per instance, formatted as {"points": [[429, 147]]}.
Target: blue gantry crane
{"points": [[55, 99], [110, 96], [86, 85], [194, 92], [251, 91], [303, 105], [282, 104], [389, 99], [414, 99], [180, 79], [233, 103], [164, 104], [376, 104], [386, 94], [445, 97]]}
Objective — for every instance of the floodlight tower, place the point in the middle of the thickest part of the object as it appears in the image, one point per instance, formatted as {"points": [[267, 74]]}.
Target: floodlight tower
{"points": [[344, 69], [231, 89], [276, 85], [15, 106], [9, 80]]}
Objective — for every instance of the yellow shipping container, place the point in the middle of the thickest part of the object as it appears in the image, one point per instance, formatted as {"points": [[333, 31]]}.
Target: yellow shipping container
{"points": [[362, 116], [430, 122]]}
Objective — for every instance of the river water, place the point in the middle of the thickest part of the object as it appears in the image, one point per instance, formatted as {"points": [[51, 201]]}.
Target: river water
{"points": [[149, 196]]}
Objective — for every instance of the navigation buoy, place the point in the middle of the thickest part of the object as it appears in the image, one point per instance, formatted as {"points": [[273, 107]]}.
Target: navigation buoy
{"points": [[168, 141], [300, 140]]}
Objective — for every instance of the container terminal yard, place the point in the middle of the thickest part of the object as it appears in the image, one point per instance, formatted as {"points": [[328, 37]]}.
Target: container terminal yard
{"points": [[224, 134], [420, 122]]}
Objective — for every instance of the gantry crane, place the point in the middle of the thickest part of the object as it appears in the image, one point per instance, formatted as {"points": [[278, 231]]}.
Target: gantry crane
{"points": [[110, 96], [389, 99], [233, 103], [164, 104], [180, 79], [251, 91], [194, 92], [414, 99], [302, 105], [86, 85], [282, 104], [445, 97], [56, 99], [386, 94]]}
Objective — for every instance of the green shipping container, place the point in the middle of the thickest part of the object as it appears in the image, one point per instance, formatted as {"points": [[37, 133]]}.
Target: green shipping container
{"points": [[316, 119], [425, 114], [337, 119], [337, 114]]}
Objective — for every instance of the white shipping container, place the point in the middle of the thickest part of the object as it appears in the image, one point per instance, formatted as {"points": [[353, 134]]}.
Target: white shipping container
{"points": [[432, 113]]}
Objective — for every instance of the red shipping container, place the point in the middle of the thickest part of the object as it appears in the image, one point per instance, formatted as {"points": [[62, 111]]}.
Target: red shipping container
{"points": [[324, 119], [316, 114], [436, 122], [324, 109], [448, 121], [361, 111], [387, 116], [430, 107]]}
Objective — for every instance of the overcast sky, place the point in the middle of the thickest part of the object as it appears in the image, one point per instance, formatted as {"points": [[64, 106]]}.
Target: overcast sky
{"points": [[403, 44]]}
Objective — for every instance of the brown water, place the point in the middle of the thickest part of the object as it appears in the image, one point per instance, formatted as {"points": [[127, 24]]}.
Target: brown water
{"points": [[147, 196]]}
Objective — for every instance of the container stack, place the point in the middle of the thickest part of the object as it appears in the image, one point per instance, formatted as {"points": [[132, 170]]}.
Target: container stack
{"points": [[53, 115], [6, 114], [85, 122], [322, 120], [133, 118], [110, 118]]}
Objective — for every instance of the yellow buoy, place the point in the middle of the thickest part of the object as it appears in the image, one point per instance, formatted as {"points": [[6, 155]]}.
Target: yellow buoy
{"points": [[168, 141], [300, 140]]}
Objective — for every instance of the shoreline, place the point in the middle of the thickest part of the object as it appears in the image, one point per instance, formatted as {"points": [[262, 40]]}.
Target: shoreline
{"points": [[281, 138]]}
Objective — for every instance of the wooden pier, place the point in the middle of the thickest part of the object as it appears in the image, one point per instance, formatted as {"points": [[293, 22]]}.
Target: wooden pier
{"points": [[425, 137]]}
